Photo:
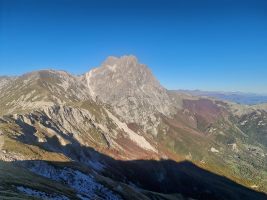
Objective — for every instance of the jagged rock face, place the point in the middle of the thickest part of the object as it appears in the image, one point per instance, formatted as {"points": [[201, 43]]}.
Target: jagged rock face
{"points": [[130, 88], [62, 128]]}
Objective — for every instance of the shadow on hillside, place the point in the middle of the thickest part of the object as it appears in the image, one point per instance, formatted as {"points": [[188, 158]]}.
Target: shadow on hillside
{"points": [[163, 176]]}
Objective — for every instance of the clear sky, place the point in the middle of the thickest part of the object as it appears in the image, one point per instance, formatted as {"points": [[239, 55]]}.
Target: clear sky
{"points": [[188, 44]]}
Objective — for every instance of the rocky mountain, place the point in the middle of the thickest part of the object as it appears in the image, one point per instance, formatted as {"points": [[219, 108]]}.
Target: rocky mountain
{"points": [[116, 133], [131, 89], [41, 88]]}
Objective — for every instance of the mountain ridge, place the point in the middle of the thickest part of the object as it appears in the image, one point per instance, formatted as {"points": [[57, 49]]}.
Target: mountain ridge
{"points": [[120, 110], [237, 97]]}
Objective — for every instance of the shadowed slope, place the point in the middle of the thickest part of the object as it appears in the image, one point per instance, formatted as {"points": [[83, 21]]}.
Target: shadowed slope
{"points": [[164, 177]]}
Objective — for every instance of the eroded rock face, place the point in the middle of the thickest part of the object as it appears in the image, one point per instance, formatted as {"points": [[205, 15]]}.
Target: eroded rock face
{"points": [[130, 88], [63, 128]]}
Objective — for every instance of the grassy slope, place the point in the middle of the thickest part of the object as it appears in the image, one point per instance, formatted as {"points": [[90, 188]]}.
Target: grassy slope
{"points": [[242, 166]]}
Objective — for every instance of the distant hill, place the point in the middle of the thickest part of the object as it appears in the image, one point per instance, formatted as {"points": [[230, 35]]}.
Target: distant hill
{"points": [[238, 97]]}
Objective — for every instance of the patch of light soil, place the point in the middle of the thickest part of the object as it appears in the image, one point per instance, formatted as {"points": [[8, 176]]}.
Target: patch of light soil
{"points": [[88, 78], [212, 149], [139, 140]]}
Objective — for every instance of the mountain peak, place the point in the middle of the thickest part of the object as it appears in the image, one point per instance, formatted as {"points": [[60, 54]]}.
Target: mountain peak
{"points": [[122, 62], [122, 82], [121, 72], [111, 59]]}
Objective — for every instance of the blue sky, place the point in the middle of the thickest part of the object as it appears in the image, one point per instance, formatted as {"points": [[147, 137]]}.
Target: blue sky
{"points": [[188, 44]]}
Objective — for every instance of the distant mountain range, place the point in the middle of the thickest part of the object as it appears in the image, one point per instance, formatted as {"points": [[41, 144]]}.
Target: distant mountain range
{"points": [[238, 97], [116, 133]]}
